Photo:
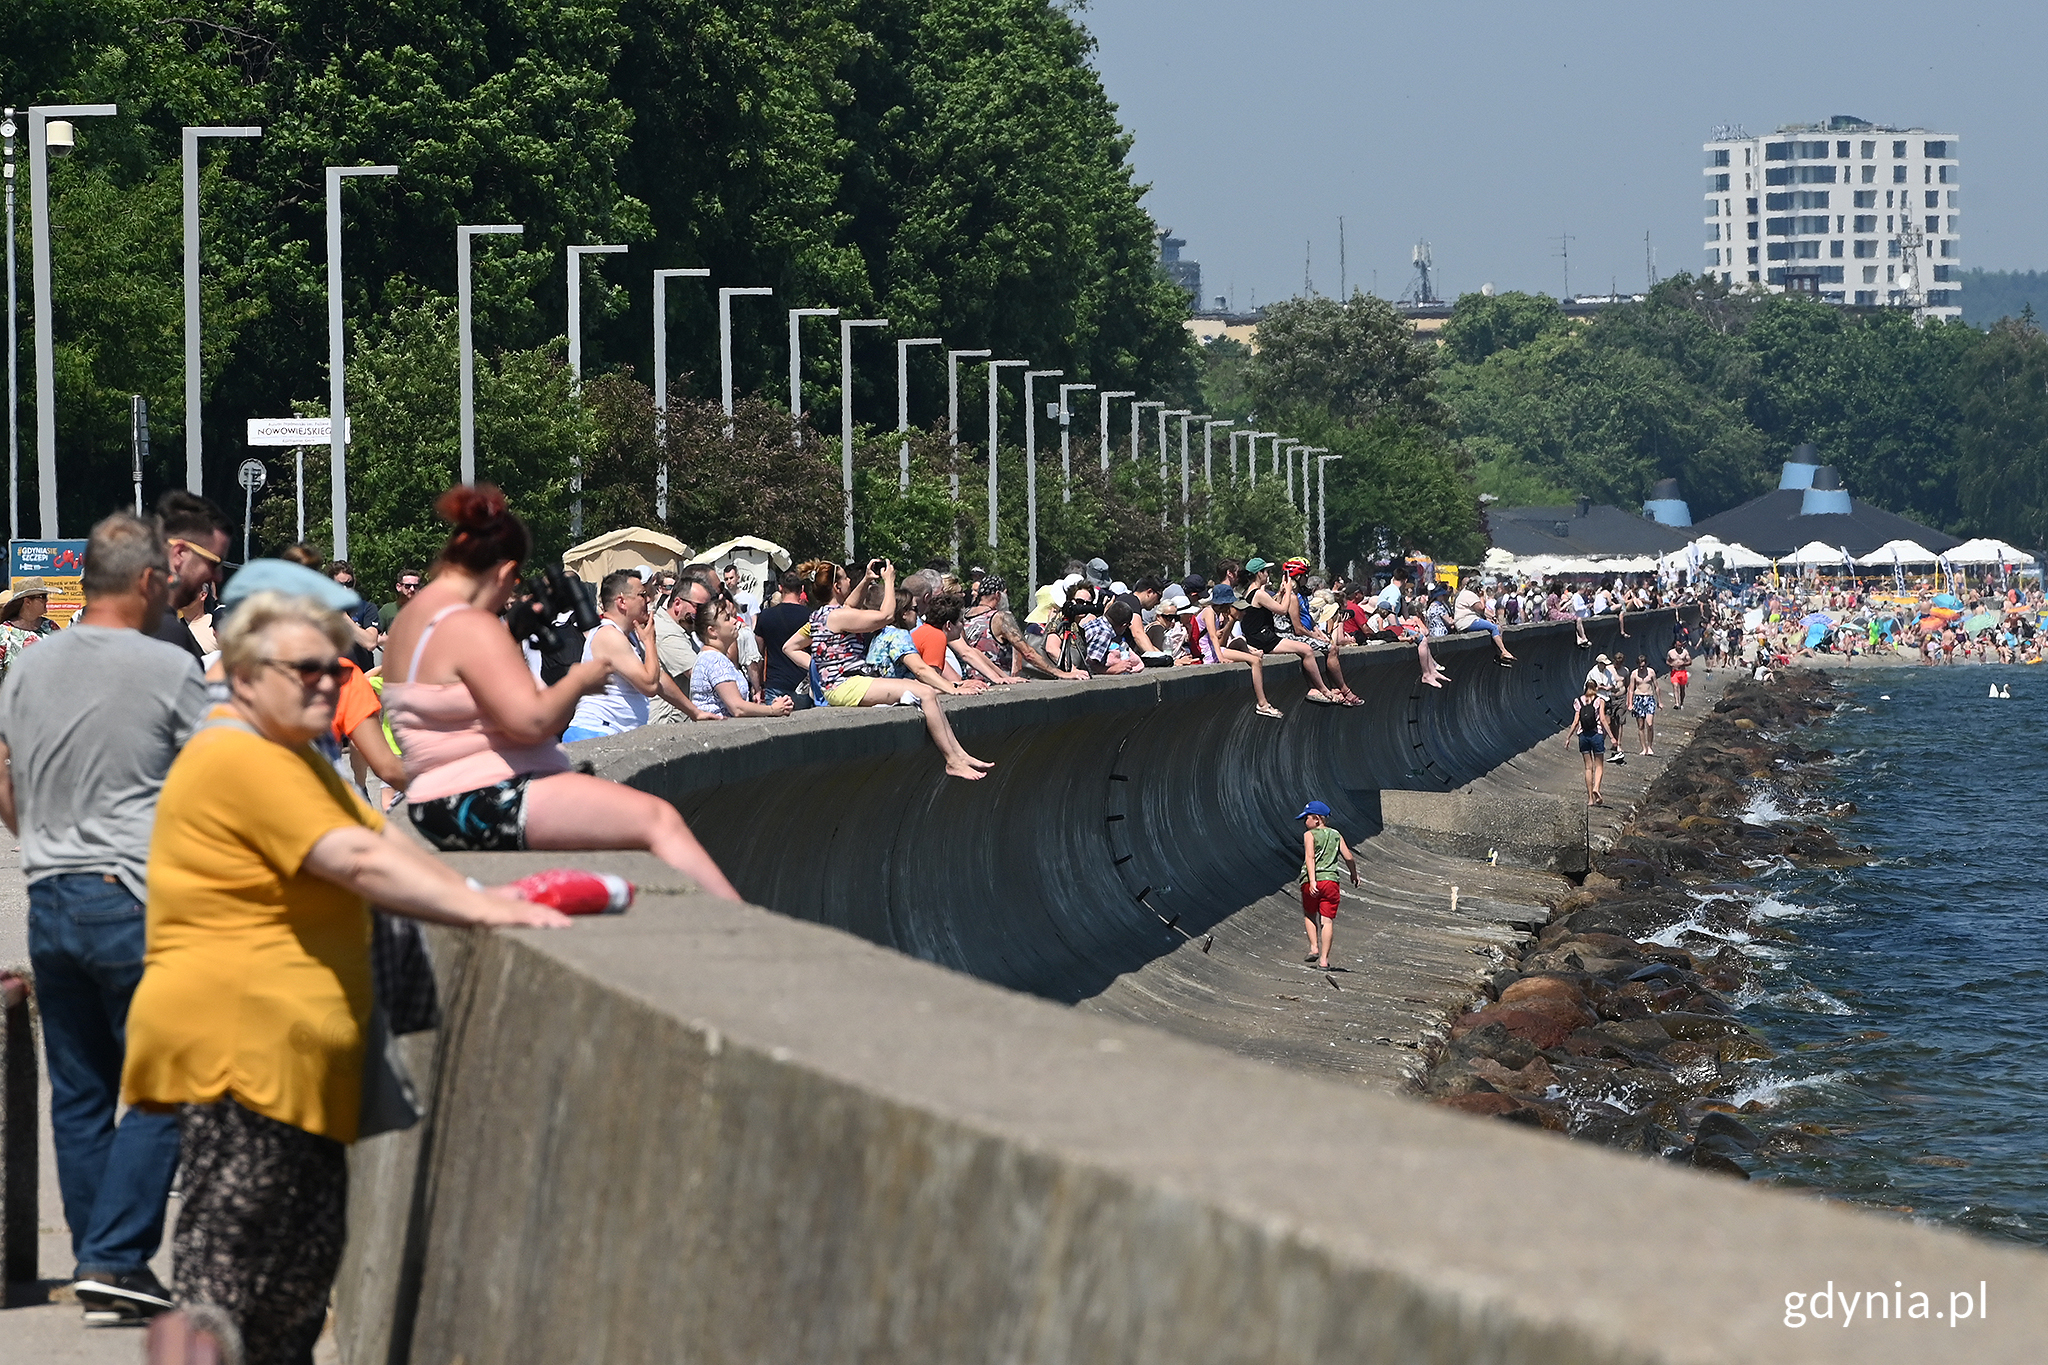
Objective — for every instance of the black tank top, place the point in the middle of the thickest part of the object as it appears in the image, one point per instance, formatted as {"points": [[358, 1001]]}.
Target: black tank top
{"points": [[1589, 716]]}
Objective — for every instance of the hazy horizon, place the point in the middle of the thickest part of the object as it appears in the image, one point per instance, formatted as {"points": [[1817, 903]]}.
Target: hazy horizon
{"points": [[1491, 130]]}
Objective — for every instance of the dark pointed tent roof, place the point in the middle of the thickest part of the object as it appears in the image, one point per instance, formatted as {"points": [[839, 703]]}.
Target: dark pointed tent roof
{"points": [[1588, 529], [1772, 525]]}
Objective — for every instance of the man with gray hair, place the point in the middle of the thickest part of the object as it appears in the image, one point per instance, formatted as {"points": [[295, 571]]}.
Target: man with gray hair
{"points": [[90, 720]]}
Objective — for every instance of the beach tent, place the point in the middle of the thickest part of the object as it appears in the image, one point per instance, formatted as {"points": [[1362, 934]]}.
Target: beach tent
{"points": [[1987, 551], [755, 560], [1898, 552], [1817, 552], [1733, 556], [1498, 560], [623, 549]]}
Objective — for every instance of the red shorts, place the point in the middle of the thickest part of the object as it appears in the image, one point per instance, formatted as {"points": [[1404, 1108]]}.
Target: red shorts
{"points": [[1679, 676], [1319, 898]]}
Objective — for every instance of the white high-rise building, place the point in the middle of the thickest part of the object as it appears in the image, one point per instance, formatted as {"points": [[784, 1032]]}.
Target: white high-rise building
{"points": [[1850, 211]]}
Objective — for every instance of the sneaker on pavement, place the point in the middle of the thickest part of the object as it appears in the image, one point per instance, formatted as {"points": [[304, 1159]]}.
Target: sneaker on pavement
{"points": [[128, 1297]]}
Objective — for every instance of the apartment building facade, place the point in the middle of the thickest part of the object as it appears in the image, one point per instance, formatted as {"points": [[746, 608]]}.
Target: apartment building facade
{"points": [[1849, 211]]}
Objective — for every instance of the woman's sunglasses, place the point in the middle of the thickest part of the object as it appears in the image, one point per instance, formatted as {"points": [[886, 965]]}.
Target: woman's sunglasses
{"points": [[311, 671]]}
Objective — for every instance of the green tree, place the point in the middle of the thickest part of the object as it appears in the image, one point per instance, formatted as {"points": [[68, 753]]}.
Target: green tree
{"points": [[1481, 324], [1353, 360], [2002, 434]]}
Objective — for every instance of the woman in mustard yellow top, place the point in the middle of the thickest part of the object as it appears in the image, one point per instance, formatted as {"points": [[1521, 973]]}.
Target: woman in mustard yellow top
{"points": [[255, 990]]}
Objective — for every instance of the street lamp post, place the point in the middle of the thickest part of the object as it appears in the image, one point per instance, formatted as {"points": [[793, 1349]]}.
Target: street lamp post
{"points": [[576, 255], [661, 279], [1102, 423], [1291, 444], [1251, 454], [1186, 530], [1235, 436], [846, 326], [337, 360], [1165, 413], [995, 369], [1209, 448], [1066, 427], [464, 318], [1323, 510], [1138, 411], [725, 298], [796, 356], [193, 475], [13, 346], [953, 359], [1031, 473], [1278, 441], [903, 345], [39, 117]]}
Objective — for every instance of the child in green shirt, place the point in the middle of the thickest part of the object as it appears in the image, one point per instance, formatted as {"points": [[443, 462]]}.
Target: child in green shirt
{"points": [[1321, 848]]}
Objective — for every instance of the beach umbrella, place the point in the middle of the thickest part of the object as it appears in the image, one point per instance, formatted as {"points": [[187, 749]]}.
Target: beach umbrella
{"points": [[1949, 600], [1982, 621], [1899, 552], [1987, 551], [1815, 552]]}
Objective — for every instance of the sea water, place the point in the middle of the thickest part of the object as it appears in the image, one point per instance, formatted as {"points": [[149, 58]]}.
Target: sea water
{"points": [[1909, 998]]}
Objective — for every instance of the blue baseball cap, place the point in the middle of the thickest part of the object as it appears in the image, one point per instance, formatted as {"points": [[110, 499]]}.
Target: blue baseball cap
{"points": [[1314, 808], [294, 580]]}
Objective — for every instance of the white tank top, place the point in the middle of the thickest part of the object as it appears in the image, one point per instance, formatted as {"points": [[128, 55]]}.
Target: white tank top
{"points": [[618, 708]]}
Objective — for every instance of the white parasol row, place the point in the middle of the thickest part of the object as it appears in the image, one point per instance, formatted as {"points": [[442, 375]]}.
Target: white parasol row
{"points": [[1701, 552], [1894, 552]]}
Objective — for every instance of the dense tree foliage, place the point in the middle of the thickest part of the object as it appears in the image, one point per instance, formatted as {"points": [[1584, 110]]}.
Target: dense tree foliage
{"points": [[956, 168]]}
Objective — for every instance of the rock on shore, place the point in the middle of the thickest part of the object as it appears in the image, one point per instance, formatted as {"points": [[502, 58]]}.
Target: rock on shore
{"points": [[1602, 1035]]}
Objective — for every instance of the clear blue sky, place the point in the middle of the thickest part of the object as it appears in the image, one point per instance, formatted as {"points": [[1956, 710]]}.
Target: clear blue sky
{"points": [[1492, 128]]}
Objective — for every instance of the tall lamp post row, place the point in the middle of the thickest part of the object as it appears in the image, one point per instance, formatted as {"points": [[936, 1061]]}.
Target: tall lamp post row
{"points": [[50, 133]]}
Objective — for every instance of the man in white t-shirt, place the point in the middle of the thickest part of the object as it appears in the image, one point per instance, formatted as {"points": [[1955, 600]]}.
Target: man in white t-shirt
{"points": [[1606, 680], [1469, 613]]}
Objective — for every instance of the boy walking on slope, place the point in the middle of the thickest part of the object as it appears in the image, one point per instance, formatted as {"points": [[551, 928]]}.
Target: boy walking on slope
{"points": [[1321, 848]]}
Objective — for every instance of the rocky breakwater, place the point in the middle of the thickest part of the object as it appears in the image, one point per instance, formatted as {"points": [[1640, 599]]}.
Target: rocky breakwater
{"points": [[1620, 1022]]}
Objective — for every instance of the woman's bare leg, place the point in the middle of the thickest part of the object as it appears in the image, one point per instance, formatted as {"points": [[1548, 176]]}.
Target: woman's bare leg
{"points": [[1238, 656], [1431, 674], [959, 763], [577, 811], [1307, 655]]}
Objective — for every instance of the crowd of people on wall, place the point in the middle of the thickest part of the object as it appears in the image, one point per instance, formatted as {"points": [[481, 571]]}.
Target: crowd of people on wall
{"points": [[207, 774]]}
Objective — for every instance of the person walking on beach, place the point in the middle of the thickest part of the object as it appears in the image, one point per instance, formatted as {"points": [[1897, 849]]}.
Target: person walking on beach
{"points": [[1643, 691], [1589, 722], [1321, 849], [1679, 661]]}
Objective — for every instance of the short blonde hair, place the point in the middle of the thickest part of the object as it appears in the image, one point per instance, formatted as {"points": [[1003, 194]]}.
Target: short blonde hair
{"points": [[249, 625]]}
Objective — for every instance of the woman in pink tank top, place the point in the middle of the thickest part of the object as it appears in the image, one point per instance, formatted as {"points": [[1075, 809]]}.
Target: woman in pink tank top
{"points": [[478, 731]]}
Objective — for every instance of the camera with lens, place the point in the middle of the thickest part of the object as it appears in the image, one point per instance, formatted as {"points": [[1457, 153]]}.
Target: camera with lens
{"points": [[549, 594]]}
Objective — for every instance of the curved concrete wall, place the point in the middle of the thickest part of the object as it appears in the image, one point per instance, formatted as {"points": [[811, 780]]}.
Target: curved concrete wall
{"points": [[1166, 785]]}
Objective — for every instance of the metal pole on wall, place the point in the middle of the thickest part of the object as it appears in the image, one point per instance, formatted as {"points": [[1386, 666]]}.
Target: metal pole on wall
{"points": [[995, 369], [464, 317], [725, 298], [1102, 422], [1209, 449], [796, 356], [903, 345], [1137, 412], [1251, 455], [337, 365], [1066, 426], [1164, 474], [661, 279], [846, 326], [39, 117], [953, 359], [576, 255], [7, 131], [1323, 511], [1031, 474], [194, 476]]}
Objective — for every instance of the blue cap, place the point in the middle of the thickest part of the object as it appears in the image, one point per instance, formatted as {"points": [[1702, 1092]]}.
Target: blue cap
{"points": [[293, 580], [1314, 808]]}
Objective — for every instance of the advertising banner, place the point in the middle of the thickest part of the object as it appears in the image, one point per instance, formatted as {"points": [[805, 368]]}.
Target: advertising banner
{"points": [[59, 563]]}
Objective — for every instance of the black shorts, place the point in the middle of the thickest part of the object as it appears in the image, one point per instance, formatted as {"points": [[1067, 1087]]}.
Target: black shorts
{"points": [[488, 820]]}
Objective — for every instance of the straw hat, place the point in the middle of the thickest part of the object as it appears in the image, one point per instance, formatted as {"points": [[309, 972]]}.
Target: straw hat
{"points": [[11, 601]]}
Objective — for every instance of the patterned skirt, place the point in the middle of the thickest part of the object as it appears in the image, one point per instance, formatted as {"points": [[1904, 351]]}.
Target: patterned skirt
{"points": [[261, 1231]]}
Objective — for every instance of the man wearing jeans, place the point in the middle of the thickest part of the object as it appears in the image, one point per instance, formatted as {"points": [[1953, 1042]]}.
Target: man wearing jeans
{"points": [[86, 736]]}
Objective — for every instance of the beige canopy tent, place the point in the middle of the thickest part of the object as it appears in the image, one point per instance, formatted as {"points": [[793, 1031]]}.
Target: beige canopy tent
{"points": [[1894, 552], [624, 549]]}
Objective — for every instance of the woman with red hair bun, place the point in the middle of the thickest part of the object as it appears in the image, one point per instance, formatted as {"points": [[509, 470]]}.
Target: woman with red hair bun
{"points": [[478, 731]]}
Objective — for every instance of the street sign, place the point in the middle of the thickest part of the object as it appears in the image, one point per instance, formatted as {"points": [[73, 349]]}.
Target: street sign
{"points": [[252, 476], [294, 431]]}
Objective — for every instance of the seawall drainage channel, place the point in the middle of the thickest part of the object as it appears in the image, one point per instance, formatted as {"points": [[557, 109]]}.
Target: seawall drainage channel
{"points": [[1131, 821]]}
